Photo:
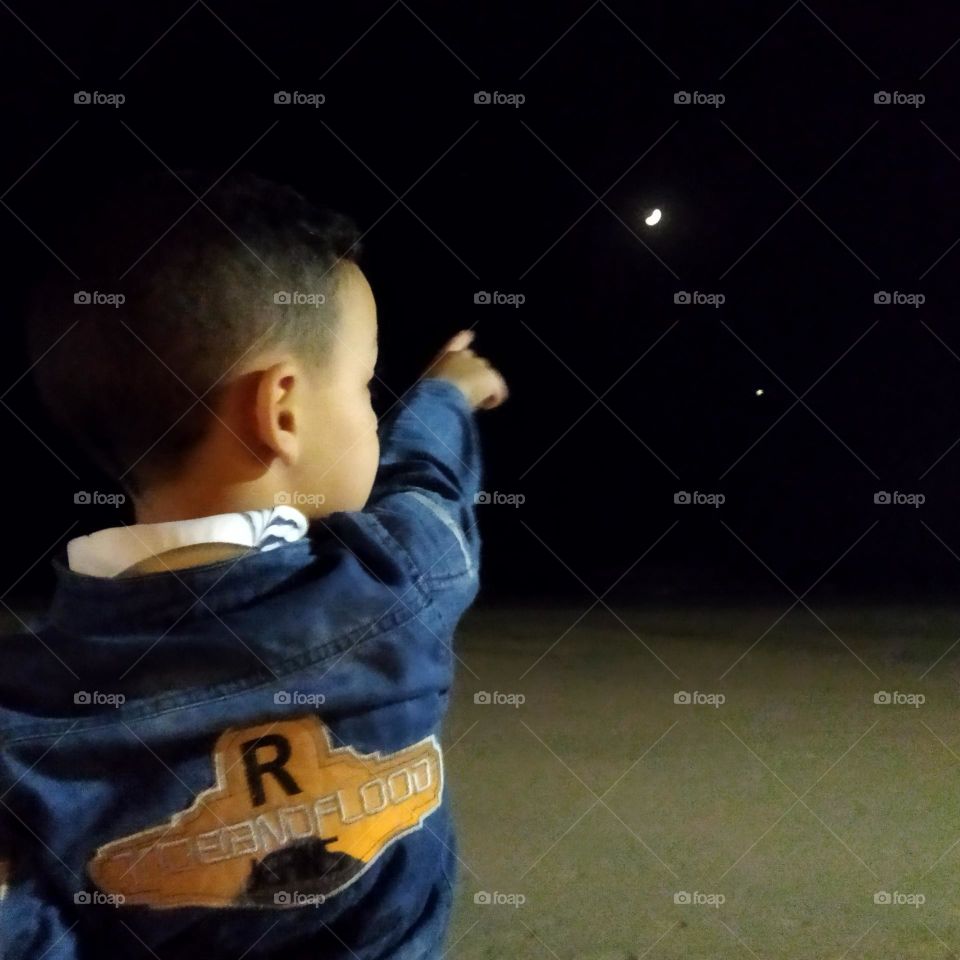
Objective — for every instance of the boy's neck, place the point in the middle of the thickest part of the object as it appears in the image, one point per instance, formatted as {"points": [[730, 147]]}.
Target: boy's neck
{"points": [[191, 555], [184, 503]]}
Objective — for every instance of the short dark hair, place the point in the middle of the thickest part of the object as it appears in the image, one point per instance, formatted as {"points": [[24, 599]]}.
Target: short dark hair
{"points": [[252, 265]]}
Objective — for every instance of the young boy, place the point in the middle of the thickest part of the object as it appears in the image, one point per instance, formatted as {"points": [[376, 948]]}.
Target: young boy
{"points": [[223, 741]]}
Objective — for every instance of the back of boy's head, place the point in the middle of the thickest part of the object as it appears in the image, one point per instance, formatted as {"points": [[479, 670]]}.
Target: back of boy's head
{"points": [[203, 286]]}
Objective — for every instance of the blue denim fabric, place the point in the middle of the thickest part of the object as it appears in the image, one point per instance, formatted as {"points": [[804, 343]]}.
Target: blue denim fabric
{"points": [[362, 611]]}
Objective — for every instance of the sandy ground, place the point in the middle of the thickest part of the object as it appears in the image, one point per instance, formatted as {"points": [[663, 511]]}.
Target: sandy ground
{"points": [[782, 813]]}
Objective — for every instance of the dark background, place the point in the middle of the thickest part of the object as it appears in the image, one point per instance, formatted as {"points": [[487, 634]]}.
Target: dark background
{"points": [[490, 195]]}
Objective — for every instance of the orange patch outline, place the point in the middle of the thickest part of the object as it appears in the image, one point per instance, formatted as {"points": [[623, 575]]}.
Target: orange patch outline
{"points": [[226, 743]]}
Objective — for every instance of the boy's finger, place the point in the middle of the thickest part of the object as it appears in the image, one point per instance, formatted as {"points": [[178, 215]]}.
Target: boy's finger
{"points": [[459, 341]]}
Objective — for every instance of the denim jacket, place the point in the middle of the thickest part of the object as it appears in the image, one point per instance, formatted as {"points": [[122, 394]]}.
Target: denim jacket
{"points": [[243, 758]]}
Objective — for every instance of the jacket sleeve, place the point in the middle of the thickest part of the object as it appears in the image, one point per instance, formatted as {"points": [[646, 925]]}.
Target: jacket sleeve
{"points": [[6, 864], [32, 922], [426, 486]]}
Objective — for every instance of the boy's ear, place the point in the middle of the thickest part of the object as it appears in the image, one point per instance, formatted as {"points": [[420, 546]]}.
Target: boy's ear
{"points": [[277, 410]]}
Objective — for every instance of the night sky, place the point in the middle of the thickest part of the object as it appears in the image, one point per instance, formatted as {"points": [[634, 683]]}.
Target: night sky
{"points": [[787, 192]]}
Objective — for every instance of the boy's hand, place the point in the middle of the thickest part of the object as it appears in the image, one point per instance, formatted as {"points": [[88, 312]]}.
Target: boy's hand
{"points": [[483, 386]]}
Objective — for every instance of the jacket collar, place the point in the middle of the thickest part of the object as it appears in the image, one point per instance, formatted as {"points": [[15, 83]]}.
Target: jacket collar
{"points": [[84, 604]]}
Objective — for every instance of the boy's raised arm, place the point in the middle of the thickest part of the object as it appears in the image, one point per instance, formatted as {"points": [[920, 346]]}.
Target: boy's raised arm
{"points": [[430, 465]]}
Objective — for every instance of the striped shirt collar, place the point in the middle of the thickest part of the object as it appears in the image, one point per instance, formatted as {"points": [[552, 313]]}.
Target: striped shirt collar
{"points": [[109, 552]]}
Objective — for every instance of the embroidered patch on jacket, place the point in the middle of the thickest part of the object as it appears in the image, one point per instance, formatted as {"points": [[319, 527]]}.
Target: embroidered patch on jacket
{"points": [[291, 820]]}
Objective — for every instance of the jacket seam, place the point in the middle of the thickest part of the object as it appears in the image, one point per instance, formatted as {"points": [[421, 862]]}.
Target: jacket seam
{"points": [[239, 687]]}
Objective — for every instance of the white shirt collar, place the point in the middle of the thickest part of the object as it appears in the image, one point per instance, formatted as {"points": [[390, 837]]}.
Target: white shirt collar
{"points": [[109, 552]]}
